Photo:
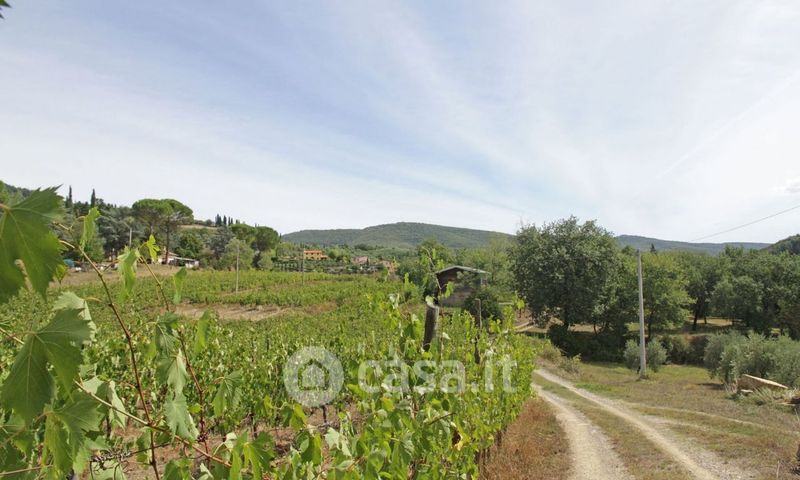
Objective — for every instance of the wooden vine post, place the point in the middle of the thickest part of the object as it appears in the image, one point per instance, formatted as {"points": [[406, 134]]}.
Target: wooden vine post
{"points": [[479, 327], [431, 325]]}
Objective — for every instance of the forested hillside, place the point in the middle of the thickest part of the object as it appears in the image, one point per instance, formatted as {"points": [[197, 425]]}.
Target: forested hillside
{"points": [[646, 243], [398, 235], [790, 245]]}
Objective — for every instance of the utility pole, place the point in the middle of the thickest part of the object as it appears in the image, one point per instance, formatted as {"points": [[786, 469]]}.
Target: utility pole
{"points": [[642, 349], [237, 267], [303, 267]]}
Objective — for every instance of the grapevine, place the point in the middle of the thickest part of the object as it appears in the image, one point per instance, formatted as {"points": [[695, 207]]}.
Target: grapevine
{"points": [[109, 379]]}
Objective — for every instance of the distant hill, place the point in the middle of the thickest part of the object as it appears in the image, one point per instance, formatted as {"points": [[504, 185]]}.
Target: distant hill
{"points": [[790, 244], [404, 235], [407, 235], [643, 243]]}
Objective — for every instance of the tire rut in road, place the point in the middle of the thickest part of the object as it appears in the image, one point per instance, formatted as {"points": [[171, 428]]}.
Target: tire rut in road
{"points": [[592, 455]]}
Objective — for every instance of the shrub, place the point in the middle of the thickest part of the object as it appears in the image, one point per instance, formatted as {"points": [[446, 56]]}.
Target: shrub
{"points": [[715, 348], [731, 355], [656, 355], [787, 362], [570, 364], [552, 355], [549, 352], [697, 348], [490, 304], [677, 348], [605, 346]]}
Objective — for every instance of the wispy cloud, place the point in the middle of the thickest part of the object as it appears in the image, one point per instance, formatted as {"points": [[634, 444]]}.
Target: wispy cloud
{"points": [[791, 187], [663, 119]]}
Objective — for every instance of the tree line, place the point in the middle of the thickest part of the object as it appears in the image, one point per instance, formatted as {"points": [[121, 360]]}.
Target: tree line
{"points": [[571, 273], [216, 243]]}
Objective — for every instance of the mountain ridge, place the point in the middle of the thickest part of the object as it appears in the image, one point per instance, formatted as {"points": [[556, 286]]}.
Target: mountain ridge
{"points": [[410, 234], [644, 243], [397, 235]]}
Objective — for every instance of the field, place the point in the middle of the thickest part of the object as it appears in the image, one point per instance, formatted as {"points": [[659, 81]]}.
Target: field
{"points": [[220, 355]]}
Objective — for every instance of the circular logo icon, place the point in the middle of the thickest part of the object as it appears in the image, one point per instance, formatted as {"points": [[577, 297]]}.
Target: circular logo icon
{"points": [[313, 376]]}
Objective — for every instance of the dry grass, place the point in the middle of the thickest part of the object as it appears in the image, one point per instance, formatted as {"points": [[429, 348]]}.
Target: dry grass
{"points": [[534, 447], [640, 456], [762, 439]]}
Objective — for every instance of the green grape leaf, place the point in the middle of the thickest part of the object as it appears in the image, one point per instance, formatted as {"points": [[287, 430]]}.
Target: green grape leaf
{"points": [[70, 301], [127, 267], [29, 385], [235, 471], [201, 335], [178, 469], [108, 391], [152, 248], [258, 455], [228, 393], [293, 416], [56, 442], [178, 419], [65, 433], [82, 414], [172, 371], [165, 342], [178, 280], [89, 226], [25, 235], [310, 447], [62, 339]]}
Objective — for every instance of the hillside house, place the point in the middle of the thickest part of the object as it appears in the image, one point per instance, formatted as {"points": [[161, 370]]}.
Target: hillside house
{"points": [[465, 280], [361, 260], [314, 255]]}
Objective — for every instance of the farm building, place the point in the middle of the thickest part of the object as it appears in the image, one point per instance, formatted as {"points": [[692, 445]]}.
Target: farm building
{"points": [[361, 260], [464, 279], [314, 255], [189, 263]]}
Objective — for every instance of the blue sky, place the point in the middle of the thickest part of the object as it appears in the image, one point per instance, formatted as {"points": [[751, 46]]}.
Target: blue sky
{"points": [[670, 119]]}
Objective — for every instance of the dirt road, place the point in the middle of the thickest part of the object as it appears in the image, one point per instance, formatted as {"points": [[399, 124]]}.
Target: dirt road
{"points": [[592, 455], [702, 465]]}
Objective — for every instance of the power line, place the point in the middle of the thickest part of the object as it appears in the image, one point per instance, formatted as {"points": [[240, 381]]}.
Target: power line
{"points": [[747, 224]]}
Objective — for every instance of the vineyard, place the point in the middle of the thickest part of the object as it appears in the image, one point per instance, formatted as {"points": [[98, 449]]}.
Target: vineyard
{"points": [[112, 380]]}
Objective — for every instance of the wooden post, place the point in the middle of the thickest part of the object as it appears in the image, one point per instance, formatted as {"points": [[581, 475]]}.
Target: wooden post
{"points": [[431, 325], [479, 325], [642, 348]]}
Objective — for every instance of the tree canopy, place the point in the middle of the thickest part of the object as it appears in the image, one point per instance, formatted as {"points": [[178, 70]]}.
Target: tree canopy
{"points": [[564, 269]]}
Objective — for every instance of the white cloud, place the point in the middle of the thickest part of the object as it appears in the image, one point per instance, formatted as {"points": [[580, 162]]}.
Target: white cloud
{"points": [[791, 187]]}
